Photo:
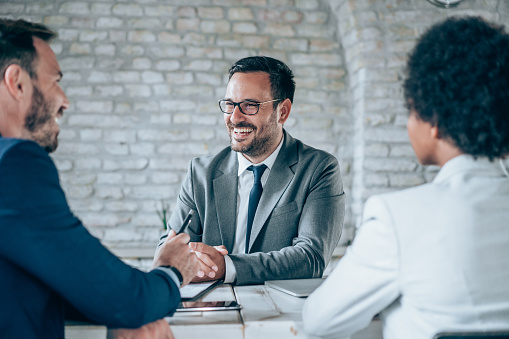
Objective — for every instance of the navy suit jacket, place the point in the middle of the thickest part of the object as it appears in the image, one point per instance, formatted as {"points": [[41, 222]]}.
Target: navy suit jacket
{"points": [[48, 259]]}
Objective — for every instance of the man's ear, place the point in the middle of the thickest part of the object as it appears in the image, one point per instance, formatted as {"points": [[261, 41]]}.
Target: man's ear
{"points": [[15, 79], [284, 110]]}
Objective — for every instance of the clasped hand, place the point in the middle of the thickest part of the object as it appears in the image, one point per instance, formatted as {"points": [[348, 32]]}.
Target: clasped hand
{"points": [[211, 260], [176, 252]]}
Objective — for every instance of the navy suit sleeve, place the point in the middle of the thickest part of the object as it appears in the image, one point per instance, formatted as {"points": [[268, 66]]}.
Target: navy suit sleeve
{"points": [[42, 236]]}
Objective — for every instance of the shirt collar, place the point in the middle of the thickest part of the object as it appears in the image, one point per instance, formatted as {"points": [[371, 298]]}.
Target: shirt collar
{"points": [[466, 163], [269, 162]]}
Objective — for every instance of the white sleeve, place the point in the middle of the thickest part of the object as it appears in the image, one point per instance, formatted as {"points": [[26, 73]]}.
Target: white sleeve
{"points": [[364, 282], [231, 273]]}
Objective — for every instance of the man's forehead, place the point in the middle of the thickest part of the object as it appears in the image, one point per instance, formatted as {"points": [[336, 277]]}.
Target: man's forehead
{"points": [[253, 82]]}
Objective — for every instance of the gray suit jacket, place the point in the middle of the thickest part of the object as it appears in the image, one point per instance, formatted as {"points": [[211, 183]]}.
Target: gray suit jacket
{"points": [[298, 221]]}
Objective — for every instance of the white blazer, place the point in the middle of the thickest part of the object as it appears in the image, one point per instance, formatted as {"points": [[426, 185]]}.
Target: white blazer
{"points": [[430, 258]]}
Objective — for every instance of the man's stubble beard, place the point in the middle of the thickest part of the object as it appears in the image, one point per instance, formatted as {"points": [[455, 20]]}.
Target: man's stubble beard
{"points": [[37, 119], [262, 143]]}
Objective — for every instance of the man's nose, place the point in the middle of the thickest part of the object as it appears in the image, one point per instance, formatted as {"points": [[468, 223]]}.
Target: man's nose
{"points": [[66, 104], [237, 115]]}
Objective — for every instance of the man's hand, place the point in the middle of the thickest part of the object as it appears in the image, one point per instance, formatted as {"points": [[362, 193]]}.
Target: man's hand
{"points": [[176, 252], [211, 259], [156, 330]]}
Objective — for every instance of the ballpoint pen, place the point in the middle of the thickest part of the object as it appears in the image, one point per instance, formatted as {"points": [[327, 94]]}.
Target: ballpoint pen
{"points": [[186, 223]]}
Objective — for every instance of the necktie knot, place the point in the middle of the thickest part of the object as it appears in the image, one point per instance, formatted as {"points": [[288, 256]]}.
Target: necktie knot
{"points": [[257, 172]]}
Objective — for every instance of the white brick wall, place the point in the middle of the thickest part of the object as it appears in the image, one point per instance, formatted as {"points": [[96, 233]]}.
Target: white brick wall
{"points": [[376, 37], [144, 77]]}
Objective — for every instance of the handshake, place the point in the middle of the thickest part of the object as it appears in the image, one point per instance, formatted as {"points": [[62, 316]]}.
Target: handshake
{"points": [[195, 261]]}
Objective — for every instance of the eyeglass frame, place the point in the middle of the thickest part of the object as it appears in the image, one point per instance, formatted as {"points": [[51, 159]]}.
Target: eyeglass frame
{"points": [[237, 104]]}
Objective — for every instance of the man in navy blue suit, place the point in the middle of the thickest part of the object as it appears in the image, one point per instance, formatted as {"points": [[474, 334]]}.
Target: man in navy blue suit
{"points": [[49, 263]]}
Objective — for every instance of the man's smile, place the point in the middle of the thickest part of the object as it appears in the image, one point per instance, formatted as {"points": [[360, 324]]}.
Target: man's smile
{"points": [[242, 132]]}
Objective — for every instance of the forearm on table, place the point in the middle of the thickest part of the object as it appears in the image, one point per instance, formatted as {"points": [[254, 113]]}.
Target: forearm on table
{"points": [[291, 262]]}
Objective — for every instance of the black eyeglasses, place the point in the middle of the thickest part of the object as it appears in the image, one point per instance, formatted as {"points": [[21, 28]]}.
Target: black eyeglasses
{"points": [[246, 107]]}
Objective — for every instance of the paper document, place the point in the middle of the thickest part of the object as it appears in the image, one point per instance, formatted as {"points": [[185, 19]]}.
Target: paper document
{"points": [[194, 290]]}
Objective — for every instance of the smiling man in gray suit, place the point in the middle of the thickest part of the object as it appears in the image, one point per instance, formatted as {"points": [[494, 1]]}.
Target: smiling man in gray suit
{"points": [[293, 229]]}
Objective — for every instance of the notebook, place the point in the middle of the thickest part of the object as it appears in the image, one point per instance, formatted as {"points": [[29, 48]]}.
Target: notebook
{"points": [[297, 287]]}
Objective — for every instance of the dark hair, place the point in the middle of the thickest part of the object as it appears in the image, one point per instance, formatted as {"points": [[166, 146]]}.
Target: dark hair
{"points": [[282, 85], [458, 80], [17, 45]]}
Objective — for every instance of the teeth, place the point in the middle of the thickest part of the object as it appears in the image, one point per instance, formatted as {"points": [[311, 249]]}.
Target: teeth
{"points": [[242, 130], [57, 121]]}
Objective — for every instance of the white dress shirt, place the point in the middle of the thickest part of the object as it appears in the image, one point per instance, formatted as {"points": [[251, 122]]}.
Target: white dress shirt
{"points": [[430, 258], [246, 181]]}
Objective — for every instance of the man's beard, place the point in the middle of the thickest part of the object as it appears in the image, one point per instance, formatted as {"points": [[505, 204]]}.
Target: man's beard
{"points": [[37, 119], [261, 143]]}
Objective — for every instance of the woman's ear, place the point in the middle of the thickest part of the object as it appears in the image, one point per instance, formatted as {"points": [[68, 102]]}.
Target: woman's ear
{"points": [[435, 132]]}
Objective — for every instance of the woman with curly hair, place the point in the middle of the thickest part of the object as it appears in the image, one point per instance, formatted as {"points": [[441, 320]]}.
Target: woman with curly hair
{"points": [[436, 257]]}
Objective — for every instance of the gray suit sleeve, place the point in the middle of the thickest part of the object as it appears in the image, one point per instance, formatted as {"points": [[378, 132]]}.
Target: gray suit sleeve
{"points": [[319, 230], [185, 203]]}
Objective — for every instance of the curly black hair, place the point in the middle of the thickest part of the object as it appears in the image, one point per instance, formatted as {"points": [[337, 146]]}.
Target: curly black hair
{"points": [[457, 79], [281, 77]]}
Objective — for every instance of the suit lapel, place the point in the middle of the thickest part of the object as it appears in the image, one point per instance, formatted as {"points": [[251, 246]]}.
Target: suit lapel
{"points": [[280, 177], [225, 196]]}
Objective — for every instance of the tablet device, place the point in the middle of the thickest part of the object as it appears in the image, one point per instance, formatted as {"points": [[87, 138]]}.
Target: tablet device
{"points": [[205, 306], [194, 291], [296, 287]]}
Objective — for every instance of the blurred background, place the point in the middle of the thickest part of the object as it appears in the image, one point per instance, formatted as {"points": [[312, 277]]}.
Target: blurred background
{"points": [[144, 77]]}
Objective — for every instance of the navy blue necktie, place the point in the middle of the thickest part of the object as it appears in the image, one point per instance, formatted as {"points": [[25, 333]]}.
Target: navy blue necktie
{"points": [[254, 198]]}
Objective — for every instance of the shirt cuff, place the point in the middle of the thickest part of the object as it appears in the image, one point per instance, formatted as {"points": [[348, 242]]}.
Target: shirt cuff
{"points": [[231, 273], [172, 274]]}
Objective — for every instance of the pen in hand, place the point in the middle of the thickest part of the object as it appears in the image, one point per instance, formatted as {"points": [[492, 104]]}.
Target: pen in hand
{"points": [[186, 223]]}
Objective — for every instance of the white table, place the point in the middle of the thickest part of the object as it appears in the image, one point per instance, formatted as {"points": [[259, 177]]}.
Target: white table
{"points": [[266, 314]]}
